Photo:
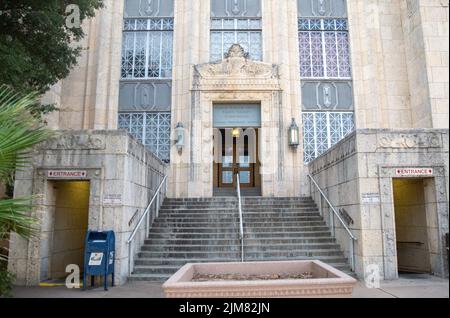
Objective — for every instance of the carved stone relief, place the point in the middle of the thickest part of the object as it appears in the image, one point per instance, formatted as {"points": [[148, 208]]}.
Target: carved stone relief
{"points": [[322, 8], [237, 64], [236, 8], [76, 142], [149, 8], [405, 141]]}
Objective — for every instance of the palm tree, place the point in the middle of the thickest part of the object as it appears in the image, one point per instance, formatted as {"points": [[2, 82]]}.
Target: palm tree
{"points": [[19, 132]]}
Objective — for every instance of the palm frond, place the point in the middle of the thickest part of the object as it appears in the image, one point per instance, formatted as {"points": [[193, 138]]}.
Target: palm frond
{"points": [[14, 218], [19, 131]]}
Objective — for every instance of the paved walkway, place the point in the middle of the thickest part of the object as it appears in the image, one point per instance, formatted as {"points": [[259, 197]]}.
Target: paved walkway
{"points": [[408, 286]]}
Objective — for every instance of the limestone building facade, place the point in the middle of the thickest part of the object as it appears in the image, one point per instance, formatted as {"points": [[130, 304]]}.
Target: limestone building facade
{"points": [[365, 80]]}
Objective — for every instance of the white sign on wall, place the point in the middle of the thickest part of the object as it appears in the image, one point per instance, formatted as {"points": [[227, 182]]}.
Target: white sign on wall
{"points": [[67, 174], [414, 171], [112, 199], [371, 198], [237, 115]]}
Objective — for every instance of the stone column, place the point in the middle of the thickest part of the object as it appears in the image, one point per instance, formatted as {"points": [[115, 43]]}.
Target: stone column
{"points": [[379, 70], [280, 43], [89, 95], [191, 47], [425, 27], [104, 108]]}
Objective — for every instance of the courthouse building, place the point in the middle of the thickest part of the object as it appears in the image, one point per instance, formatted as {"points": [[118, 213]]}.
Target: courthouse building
{"points": [[346, 96]]}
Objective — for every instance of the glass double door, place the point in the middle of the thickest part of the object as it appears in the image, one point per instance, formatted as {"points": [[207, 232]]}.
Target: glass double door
{"points": [[238, 157]]}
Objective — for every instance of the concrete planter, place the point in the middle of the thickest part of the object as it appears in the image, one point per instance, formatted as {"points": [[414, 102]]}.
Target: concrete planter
{"points": [[327, 281]]}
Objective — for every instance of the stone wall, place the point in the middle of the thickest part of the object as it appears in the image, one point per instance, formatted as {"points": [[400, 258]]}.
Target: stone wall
{"points": [[425, 29], [357, 174], [88, 98], [123, 176], [380, 73]]}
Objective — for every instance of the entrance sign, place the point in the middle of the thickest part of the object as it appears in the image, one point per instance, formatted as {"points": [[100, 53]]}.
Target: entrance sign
{"points": [[67, 174], [414, 171], [237, 116]]}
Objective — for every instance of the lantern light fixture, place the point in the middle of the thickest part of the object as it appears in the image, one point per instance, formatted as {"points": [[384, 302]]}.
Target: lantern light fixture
{"points": [[294, 135], [179, 134]]}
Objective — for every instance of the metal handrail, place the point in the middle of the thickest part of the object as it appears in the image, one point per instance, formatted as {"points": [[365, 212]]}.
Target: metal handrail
{"points": [[349, 232], [138, 225], [241, 224]]}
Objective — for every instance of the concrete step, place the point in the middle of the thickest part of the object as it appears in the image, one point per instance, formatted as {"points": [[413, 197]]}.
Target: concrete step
{"points": [[236, 254], [180, 261], [233, 235], [248, 224], [191, 248], [236, 241], [190, 241], [157, 278], [246, 218], [163, 269], [248, 231], [212, 236], [235, 214], [274, 247], [223, 209], [195, 230], [149, 261], [247, 199]]}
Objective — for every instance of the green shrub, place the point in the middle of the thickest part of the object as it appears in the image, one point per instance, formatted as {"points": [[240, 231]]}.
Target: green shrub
{"points": [[6, 281]]}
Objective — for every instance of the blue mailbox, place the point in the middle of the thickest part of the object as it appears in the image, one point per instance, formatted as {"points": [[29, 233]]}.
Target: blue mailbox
{"points": [[99, 256]]}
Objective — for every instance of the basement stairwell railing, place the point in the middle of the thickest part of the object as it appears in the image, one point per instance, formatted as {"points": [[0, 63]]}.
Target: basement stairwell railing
{"points": [[241, 223], [352, 237], [157, 199]]}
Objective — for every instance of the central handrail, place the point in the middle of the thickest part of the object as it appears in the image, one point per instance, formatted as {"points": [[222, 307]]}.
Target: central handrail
{"points": [[141, 219], [349, 232], [241, 224]]}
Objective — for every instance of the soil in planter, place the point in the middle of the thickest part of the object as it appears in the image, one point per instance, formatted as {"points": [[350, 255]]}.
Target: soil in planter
{"points": [[240, 277]]}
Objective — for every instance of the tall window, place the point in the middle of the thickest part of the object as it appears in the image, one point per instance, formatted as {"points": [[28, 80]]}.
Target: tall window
{"points": [[226, 32], [322, 130], [146, 73], [326, 75], [236, 22], [151, 129], [324, 48], [147, 48]]}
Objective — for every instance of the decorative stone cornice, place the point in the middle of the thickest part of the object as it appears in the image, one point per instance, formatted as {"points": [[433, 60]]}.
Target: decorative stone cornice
{"points": [[236, 72]]}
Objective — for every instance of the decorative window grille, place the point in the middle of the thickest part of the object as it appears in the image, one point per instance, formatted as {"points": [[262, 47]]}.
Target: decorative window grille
{"points": [[324, 48], [147, 49], [228, 31], [152, 129], [322, 130]]}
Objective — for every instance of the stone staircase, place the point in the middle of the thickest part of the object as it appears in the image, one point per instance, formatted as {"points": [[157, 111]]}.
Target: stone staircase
{"points": [[207, 230]]}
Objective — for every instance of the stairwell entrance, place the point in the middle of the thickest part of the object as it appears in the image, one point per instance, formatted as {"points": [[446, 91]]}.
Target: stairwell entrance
{"points": [[68, 203], [414, 207]]}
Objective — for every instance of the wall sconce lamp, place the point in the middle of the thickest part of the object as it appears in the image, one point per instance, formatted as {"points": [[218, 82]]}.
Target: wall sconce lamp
{"points": [[179, 133], [294, 135]]}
